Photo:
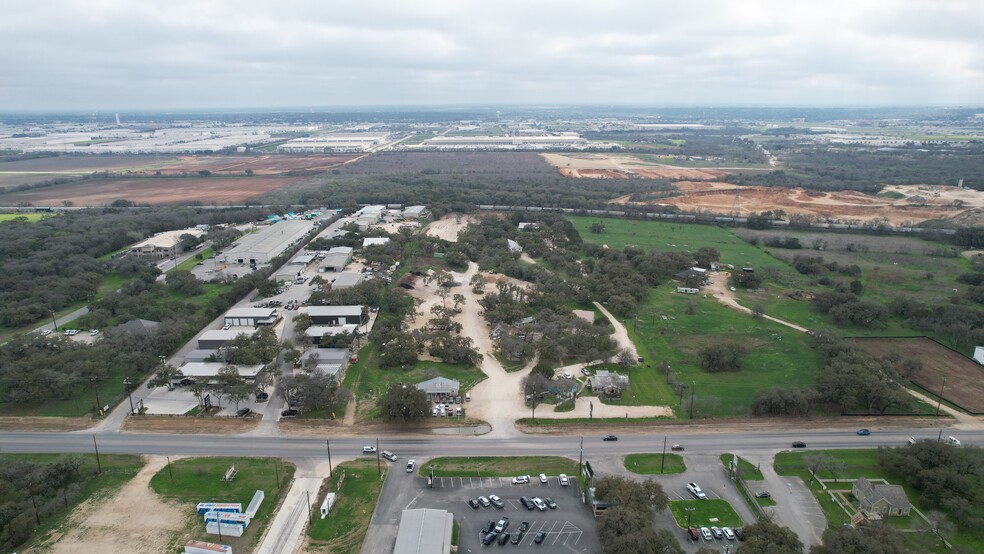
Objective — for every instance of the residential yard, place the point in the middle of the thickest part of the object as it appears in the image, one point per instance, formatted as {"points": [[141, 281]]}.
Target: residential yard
{"points": [[194, 480], [655, 464], [345, 529], [505, 466], [713, 512], [864, 463], [366, 379], [116, 471]]}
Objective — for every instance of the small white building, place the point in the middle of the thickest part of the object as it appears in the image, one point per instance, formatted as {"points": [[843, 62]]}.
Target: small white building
{"points": [[251, 317], [514, 246], [979, 354], [415, 212], [375, 241]]}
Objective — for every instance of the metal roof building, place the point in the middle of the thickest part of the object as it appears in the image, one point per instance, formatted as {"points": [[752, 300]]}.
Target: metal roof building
{"points": [[333, 315], [336, 259], [424, 531], [269, 242], [347, 279]]}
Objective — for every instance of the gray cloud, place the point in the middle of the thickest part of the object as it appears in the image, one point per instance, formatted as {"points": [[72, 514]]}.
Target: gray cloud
{"points": [[68, 54]]}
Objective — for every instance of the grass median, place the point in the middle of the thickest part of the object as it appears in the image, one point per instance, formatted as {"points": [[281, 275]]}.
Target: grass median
{"points": [[654, 464], [345, 529], [712, 512], [505, 466]]}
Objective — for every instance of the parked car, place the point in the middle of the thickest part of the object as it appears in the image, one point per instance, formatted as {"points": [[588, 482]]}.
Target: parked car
{"points": [[864, 432], [93, 332], [706, 533], [410, 465], [473, 502], [489, 538], [504, 538], [522, 479], [677, 448], [524, 527], [45, 332], [186, 382], [261, 396], [740, 533], [550, 503], [502, 524], [289, 412], [564, 481], [516, 537], [527, 502], [717, 533], [489, 525], [609, 438], [540, 535], [728, 533], [567, 375], [695, 490], [693, 533], [484, 501], [539, 503], [496, 501], [799, 444], [585, 372], [543, 477], [243, 412], [763, 494]]}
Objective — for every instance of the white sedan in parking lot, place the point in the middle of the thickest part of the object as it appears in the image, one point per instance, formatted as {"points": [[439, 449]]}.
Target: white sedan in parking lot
{"points": [[522, 479], [564, 481]]}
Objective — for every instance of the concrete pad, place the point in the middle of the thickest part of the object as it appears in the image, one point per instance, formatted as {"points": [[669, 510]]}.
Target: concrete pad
{"points": [[284, 533]]}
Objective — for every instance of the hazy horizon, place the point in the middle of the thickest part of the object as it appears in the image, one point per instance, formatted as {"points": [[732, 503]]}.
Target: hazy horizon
{"points": [[116, 56]]}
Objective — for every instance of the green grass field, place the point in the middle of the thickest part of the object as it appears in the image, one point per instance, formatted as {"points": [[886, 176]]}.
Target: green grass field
{"points": [[116, 471], [191, 262], [777, 355], [748, 471], [201, 480], [345, 529], [504, 466], [702, 512], [31, 217], [653, 464]]}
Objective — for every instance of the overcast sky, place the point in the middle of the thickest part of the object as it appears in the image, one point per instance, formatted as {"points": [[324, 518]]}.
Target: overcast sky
{"points": [[161, 54]]}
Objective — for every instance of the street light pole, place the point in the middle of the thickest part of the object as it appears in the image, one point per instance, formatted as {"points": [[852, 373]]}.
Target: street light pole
{"points": [[693, 389], [53, 322], [95, 387], [662, 463]]}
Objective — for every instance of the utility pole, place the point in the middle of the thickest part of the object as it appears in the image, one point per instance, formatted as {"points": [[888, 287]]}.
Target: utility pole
{"points": [[693, 389], [580, 455], [95, 387], [379, 467], [328, 443], [169, 468], [129, 394], [662, 463], [939, 399], [99, 465], [53, 322], [310, 515]]}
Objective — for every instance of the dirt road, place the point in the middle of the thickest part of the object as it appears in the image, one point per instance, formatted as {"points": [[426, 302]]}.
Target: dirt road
{"points": [[132, 520], [719, 289]]}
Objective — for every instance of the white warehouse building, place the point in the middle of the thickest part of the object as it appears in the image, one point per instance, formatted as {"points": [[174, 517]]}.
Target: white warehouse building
{"points": [[268, 243]]}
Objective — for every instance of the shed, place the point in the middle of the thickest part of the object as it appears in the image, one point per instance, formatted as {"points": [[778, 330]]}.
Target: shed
{"points": [[514, 246], [586, 315], [136, 327], [424, 531]]}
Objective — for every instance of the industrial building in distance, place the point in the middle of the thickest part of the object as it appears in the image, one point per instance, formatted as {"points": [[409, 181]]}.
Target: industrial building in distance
{"points": [[559, 141], [339, 143], [268, 243]]}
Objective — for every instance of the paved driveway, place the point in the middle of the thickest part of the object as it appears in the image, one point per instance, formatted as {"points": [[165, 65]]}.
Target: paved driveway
{"points": [[796, 507]]}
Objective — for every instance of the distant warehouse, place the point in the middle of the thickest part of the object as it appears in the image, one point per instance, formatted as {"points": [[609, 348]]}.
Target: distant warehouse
{"points": [[537, 142], [338, 143]]}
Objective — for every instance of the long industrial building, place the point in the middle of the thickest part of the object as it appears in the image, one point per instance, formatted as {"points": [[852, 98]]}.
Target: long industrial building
{"points": [[335, 143], [539, 142], [269, 242]]}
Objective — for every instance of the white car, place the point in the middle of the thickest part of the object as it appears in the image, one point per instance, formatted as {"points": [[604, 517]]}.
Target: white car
{"points": [[368, 449], [522, 479], [706, 533], [484, 501], [543, 478], [567, 375], [728, 533], [45, 332], [564, 481], [695, 490], [539, 503], [410, 465], [93, 332]]}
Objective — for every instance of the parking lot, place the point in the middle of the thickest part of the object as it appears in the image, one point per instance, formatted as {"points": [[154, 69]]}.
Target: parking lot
{"points": [[568, 528]]}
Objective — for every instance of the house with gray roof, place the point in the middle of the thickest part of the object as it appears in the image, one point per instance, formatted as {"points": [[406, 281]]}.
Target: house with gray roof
{"points": [[883, 500], [439, 388]]}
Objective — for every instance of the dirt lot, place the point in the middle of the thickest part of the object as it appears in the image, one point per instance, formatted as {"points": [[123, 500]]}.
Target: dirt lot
{"points": [[965, 378], [133, 520], [448, 227], [100, 192], [190, 425], [260, 165], [621, 166], [48, 424], [918, 205]]}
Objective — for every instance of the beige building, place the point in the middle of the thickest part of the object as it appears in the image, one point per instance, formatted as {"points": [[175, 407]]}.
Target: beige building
{"points": [[164, 245]]}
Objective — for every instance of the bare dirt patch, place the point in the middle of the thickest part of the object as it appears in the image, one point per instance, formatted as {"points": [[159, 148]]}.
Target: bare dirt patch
{"points": [[846, 206], [448, 227], [190, 425], [133, 520], [965, 378], [259, 165], [622, 166], [101, 192]]}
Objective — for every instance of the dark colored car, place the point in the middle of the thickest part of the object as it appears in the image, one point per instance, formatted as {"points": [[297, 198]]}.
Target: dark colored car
{"points": [[186, 382], [527, 502], [550, 503], [694, 534], [488, 538], [473, 502], [763, 494], [677, 448], [609, 438], [488, 527], [243, 412], [740, 533], [540, 535], [516, 537], [504, 538], [289, 412], [524, 527], [799, 444], [262, 396], [864, 432]]}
